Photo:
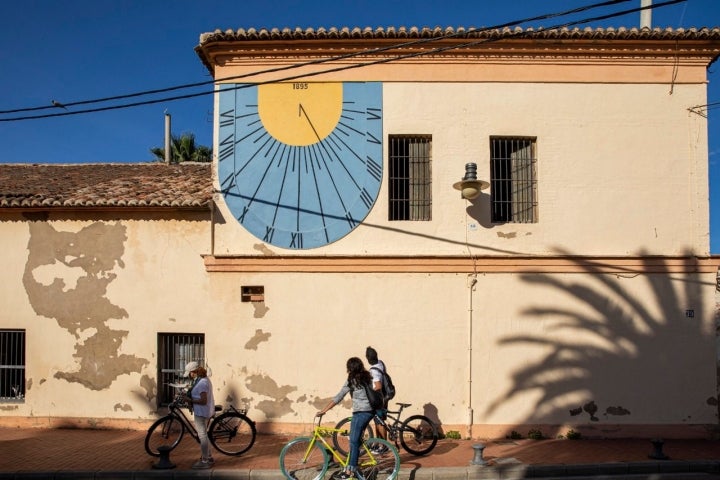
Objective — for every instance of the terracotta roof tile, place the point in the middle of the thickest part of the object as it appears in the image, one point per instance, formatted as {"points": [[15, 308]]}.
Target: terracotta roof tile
{"points": [[634, 33], [144, 185]]}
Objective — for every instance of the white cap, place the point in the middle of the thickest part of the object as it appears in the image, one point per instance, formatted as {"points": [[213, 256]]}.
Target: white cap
{"points": [[190, 367]]}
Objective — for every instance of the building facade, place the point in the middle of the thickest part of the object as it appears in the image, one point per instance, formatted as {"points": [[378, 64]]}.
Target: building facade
{"points": [[576, 291]]}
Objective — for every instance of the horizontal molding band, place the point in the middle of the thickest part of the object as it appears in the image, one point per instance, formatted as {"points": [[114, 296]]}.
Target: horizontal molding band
{"points": [[484, 264]]}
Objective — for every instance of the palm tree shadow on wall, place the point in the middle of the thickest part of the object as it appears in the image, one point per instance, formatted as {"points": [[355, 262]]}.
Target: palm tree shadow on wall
{"points": [[610, 357]]}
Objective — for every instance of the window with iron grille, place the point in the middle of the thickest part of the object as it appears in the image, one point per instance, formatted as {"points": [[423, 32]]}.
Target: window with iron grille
{"points": [[513, 179], [12, 365], [409, 177], [175, 350]]}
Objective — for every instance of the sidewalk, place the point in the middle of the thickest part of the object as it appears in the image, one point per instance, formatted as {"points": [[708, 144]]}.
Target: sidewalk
{"points": [[119, 454]]}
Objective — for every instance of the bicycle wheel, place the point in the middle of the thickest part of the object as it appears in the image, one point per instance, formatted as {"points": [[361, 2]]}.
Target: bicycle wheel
{"points": [[303, 459], [341, 437], [384, 465], [418, 434], [168, 431], [232, 433]]}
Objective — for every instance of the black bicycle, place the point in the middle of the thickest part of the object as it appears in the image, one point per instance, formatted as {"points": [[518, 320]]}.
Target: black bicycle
{"points": [[417, 434], [231, 432]]}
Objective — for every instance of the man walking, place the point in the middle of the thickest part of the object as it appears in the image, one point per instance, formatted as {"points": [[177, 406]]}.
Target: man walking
{"points": [[377, 369]]}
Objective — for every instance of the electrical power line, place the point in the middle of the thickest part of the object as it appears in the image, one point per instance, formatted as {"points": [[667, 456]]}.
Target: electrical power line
{"points": [[341, 57]]}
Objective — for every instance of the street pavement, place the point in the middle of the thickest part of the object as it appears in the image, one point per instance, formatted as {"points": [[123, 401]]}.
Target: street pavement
{"points": [[86, 454]]}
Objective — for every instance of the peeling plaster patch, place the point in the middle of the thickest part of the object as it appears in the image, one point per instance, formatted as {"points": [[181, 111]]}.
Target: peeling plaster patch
{"points": [[172, 319], [302, 398], [279, 405], [265, 385], [95, 250], [258, 338], [617, 411], [42, 380], [712, 401], [8, 408], [260, 309], [320, 402], [262, 248], [124, 407], [275, 408], [100, 363], [507, 235], [29, 382]]}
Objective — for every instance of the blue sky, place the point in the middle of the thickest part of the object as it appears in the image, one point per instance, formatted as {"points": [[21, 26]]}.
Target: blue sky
{"points": [[78, 50]]}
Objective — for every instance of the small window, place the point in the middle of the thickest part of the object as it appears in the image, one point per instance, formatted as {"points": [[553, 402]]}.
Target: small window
{"points": [[12, 365], [253, 294], [513, 180], [175, 350], [409, 178]]}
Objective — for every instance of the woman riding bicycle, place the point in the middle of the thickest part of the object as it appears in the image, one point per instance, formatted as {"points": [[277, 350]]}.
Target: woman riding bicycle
{"points": [[357, 379]]}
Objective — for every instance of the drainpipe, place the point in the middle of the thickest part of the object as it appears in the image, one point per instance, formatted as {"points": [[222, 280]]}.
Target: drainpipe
{"points": [[472, 280]]}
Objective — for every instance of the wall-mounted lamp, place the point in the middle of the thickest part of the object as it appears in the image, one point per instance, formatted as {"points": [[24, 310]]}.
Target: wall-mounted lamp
{"points": [[470, 186]]}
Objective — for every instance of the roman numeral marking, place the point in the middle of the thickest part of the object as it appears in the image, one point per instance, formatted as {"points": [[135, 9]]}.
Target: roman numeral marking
{"points": [[351, 221], [366, 198], [374, 169], [372, 139], [227, 147], [241, 218], [373, 114], [296, 240], [269, 232], [227, 119]]}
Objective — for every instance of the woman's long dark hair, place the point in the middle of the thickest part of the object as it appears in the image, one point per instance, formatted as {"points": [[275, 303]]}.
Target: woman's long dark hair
{"points": [[357, 375]]}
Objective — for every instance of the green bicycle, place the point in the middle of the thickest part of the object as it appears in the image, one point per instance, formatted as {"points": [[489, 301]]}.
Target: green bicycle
{"points": [[310, 458]]}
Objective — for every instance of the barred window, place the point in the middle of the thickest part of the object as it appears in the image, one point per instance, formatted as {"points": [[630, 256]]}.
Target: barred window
{"points": [[513, 179], [175, 350], [12, 365], [409, 177]]}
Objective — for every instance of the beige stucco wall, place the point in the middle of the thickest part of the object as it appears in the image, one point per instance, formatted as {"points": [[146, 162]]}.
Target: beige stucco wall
{"points": [[92, 291], [517, 349], [618, 172]]}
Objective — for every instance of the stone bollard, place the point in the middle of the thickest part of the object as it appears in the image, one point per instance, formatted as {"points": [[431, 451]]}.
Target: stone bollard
{"points": [[478, 457], [657, 453], [164, 462]]}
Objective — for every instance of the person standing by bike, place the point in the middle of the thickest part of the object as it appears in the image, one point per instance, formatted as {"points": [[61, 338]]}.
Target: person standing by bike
{"points": [[357, 379], [377, 368], [200, 398]]}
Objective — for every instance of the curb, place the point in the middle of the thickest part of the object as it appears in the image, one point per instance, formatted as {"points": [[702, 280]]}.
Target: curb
{"points": [[507, 471]]}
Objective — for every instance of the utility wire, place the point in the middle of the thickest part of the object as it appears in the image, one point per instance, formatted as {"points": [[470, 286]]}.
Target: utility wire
{"points": [[314, 62], [358, 65]]}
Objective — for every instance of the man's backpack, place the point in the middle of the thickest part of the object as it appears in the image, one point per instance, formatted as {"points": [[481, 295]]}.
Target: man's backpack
{"points": [[388, 389], [375, 397]]}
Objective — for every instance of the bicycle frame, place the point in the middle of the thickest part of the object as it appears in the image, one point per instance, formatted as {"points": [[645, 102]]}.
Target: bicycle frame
{"points": [[177, 412], [176, 409], [319, 434], [391, 427]]}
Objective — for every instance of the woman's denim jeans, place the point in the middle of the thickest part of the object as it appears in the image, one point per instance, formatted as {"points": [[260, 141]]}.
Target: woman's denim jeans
{"points": [[201, 427], [358, 424]]}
